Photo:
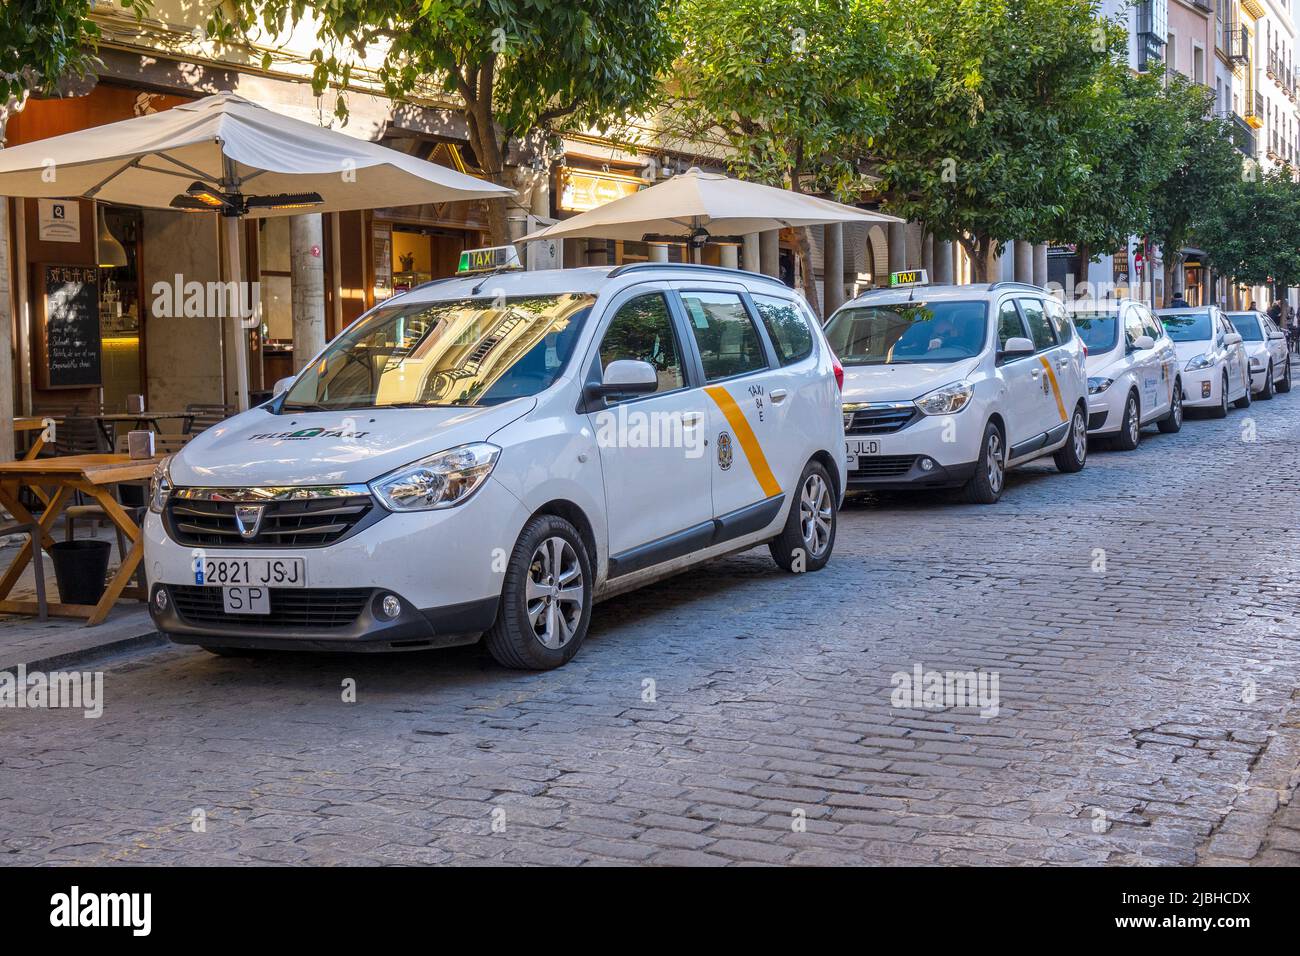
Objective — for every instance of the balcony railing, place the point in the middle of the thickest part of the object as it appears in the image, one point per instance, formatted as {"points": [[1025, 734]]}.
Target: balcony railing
{"points": [[1243, 136], [1236, 43]]}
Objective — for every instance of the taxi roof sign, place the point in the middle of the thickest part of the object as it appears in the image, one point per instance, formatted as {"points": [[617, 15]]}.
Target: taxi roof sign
{"points": [[909, 277], [488, 259]]}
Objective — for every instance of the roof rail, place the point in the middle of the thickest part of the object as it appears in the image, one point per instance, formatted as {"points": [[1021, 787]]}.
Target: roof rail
{"points": [[721, 270], [1017, 285]]}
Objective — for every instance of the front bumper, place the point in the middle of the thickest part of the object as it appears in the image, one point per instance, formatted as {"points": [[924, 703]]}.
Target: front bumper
{"points": [[950, 442], [1201, 387], [906, 473], [1258, 380], [370, 630], [445, 567], [1106, 410]]}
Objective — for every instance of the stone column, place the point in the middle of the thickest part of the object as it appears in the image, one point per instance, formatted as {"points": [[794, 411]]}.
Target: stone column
{"points": [[897, 247], [833, 266], [1024, 261], [6, 333], [769, 252], [1040, 264], [943, 263], [927, 255], [729, 255], [657, 251], [307, 277], [995, 265], [749, 253]]}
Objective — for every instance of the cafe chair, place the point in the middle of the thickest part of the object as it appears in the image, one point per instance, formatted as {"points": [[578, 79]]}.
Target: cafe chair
{"points": [[202, 416], [33, 531]]}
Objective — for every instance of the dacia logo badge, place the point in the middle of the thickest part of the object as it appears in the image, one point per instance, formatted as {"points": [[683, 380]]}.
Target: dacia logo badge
{"points": [[724, 451], [248, 519]]}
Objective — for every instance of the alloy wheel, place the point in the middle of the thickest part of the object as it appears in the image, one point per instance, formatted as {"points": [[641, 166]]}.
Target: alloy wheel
{"points": [[1134, 427], [815, 515], [995, 470], [1178, 406], [1080, 437], [556, 592]]}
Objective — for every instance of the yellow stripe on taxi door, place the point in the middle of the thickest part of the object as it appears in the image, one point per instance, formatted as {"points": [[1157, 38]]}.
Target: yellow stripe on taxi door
{"points": [[1056, 388], [748, 440]]}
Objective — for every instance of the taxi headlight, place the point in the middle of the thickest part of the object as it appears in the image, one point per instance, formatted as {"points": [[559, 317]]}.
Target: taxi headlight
{"points": [[1257, 362], [1200, 362], [439, 481], [160, 485], [1098, 385], [947, 400]]}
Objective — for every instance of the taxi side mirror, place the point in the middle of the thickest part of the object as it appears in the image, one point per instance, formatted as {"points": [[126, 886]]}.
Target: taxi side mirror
{"points": [[1232, 338], [1144, 342], [1016, 347], [624, 377], [281, 386]]}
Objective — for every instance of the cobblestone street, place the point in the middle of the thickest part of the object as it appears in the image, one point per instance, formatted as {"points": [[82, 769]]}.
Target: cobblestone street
{"points": [[1147, 713]]}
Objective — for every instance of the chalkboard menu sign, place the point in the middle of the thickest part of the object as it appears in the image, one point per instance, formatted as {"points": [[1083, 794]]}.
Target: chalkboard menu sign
{"points": [[68, 338]]}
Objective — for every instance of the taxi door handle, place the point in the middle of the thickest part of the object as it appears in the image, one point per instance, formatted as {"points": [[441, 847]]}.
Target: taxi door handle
{"points": [[778, 395], [1033, 373], [691, 419]]}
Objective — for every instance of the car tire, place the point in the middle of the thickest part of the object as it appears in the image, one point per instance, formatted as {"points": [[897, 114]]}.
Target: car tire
{"points": [[1073, 455], [1244, 401], [985, 486], [1221, 410], [1284, 386], [808, 538], [1172, 423], [1130, 429], [1267, 392], [542, 620]]}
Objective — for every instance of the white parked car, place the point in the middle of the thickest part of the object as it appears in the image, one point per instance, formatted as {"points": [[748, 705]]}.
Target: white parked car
{"points": [[1267, 354], [1213, 358], [948, 386], [489, 454], [1133, 370]]}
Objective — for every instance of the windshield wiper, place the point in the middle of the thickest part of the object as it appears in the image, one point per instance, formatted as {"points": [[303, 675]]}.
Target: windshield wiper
{"points": [[307, 408]]}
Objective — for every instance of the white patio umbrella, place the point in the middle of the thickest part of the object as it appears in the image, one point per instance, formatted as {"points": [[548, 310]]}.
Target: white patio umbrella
{"points": [[696, 204], [228, 155]]}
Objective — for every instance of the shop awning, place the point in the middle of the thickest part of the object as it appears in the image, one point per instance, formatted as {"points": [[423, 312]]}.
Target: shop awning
{"points": [[229, 142]]}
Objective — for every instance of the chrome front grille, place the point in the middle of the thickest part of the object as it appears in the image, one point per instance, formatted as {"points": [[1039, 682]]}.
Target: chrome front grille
{"points": [[268, 517], [879, 419]]}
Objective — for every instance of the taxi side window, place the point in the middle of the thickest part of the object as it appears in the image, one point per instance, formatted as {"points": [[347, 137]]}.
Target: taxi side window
{"points": [[1061, 323], [1133, 328], [1040, 330], [1152, 325], [729, 343], [1010, 325], [642, 329], [786, 326]]}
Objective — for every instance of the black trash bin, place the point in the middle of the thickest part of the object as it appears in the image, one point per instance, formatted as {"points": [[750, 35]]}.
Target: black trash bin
{"points": [[80, 568]]}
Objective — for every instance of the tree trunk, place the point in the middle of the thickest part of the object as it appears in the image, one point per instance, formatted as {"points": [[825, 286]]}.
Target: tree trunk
{"points": [[807, 281], [1082, 284], [485, 140]]}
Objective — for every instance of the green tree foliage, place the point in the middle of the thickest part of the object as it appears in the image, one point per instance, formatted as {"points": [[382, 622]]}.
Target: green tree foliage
{"points": [[988, 138], [1252, 235], [1186, 202], [793, 92], [45, 41], [515, 65]]}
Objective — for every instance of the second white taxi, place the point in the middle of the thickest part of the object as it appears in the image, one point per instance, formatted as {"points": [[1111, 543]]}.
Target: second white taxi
{"points": [[949, 386], [1133, 370]]}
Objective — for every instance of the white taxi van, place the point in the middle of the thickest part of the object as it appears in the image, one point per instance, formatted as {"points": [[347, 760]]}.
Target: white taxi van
{"points": [[489, 454], [1215, 370], [1267, 354], [1134, 377], [948, 386]]}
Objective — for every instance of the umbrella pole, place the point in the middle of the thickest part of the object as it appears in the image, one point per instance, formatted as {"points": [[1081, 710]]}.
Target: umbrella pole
{"points": [[238, 347]]}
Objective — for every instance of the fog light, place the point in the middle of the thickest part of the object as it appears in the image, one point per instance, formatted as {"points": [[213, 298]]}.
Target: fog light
{"points": [[927, 464], [1205, 389], [160, 599], [391, 606]]}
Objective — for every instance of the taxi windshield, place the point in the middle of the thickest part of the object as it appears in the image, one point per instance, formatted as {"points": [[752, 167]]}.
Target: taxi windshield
{"points": [[908, 332], [1187, 326], [465, 352], [1247, 325], [1099, 330]]}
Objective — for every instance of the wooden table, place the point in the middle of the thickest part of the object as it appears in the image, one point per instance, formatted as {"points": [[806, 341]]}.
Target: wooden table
{"points": [[109, 421], [92, 475]]}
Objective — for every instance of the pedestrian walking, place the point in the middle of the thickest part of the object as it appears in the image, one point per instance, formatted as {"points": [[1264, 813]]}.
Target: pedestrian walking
{"points": [[1178, 302]]}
